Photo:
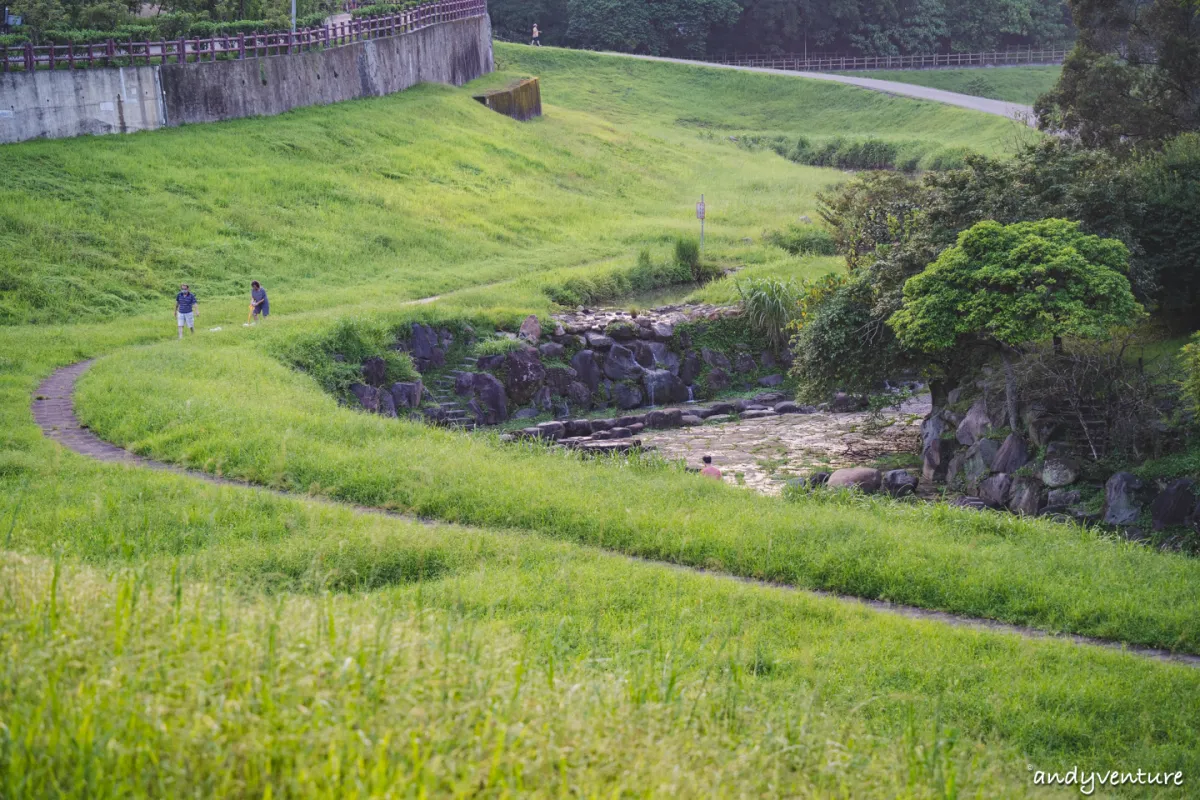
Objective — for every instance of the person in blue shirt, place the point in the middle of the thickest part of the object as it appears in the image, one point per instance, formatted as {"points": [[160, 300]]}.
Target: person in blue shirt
{"points": [[259, 304], [185, 309]]}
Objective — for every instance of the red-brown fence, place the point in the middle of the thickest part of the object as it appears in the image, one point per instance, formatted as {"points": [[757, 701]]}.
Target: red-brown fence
{"points": [[826, 63], [112, 53]]}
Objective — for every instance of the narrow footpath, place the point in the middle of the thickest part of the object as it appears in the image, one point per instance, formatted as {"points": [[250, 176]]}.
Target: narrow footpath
{"points": [[54, 411]]}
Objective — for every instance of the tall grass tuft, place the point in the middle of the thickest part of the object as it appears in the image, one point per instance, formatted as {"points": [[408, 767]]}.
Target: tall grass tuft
{"points": [[769, 305]]}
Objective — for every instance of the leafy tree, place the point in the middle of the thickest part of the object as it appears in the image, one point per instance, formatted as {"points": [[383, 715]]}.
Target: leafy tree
{"points": [[657, 27], [1005, 286], [1133, 77]]}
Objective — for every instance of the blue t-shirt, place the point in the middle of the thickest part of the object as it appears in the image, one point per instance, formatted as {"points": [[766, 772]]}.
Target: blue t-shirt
{"points": [[259, 296], [185, 301]]}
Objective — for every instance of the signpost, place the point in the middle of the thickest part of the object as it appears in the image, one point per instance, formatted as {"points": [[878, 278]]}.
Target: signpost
{"points": [[700, 216]]}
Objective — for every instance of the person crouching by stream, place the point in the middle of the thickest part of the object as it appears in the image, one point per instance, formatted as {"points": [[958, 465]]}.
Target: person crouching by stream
{"points": [[259, 304]]}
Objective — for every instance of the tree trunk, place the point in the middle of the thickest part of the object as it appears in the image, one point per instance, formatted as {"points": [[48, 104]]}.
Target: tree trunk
{"points": [[1010, 389]]}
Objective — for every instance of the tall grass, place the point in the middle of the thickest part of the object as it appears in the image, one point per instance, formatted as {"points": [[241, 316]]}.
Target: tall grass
{"points": [[770, 306]]}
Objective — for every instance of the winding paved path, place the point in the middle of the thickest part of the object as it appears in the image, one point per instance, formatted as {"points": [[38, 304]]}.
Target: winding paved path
{"points": [[1001, 108], [54, 411]]}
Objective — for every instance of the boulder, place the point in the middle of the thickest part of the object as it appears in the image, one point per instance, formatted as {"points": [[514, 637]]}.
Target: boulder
{"points": [[689, 368], [978, 461], [818, 479], [587, 369], [899, 482], [367, 396], [552, 350], [579, 427], [1060, 467], [551, 430], [374, 371], [770, 398], [1173, 504], [743, 363], [663, 331], [996, 490], [717, 380], [936, 457], [1025, 497], [844, 403], [954, 470], [407, 394], [622, 331], [767, 359], [1039, 426], [865, 479], [387, 406], [1013, 455], [1063, 497], [620, 433], [715, 360], [620, 365], [579, 396], [690, 421], [526, 413], [531, 330], [788, 407], [1121, 506], [524, 375], [664, 418], [604, 425], [627, 396], [630, 420], [771, 380], [718, 418], [598, 341], [643, 354], [973, 503], [662, 387], [721, 408], [559, 379], [758, 413], [423, 346], [490, 363], [490, 400], [975, 425], [543, 400]]}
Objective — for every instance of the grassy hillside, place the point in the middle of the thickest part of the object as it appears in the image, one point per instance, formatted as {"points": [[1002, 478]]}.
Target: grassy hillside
{"points": [[164, 636], [1015, 84]]}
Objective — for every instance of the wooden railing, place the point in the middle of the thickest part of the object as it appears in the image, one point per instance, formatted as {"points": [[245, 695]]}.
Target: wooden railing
{"points": [[827, 63], [112, 53]]}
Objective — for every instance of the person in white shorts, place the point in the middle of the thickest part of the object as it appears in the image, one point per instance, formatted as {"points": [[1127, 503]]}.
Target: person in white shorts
{"points": [[185, 309]]}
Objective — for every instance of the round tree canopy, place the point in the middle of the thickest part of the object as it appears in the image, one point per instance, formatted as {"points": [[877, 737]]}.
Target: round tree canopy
{"points": [[1016, 284]]}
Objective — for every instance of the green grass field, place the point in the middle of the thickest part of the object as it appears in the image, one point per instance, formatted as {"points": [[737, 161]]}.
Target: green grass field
{"points": [[1015, 84], [163, 636]]}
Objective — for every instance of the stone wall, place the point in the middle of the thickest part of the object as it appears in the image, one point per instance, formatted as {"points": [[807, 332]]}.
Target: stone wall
{"points": [[522, 101], [63, 103]]}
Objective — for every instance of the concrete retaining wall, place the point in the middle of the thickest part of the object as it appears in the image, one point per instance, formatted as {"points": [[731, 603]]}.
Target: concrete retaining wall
{"points": [[69, 103]]}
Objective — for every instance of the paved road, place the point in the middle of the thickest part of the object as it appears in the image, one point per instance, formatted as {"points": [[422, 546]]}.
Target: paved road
{"points": [[54, 411], [1000, 108]]}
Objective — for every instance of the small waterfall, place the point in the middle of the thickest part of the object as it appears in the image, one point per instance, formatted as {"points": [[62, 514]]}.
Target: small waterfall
{"points": [[691, 395], [650, 391]]}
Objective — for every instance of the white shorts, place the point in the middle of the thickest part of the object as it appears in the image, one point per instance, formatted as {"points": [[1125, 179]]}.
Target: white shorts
{"points": [[188, 319]]}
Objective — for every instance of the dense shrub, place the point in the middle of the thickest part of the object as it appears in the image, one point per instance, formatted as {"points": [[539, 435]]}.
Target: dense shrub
{"points": [[769, 307], [860, 154], [808, 240], [1191, 371], [334, 356], [600, 286]]}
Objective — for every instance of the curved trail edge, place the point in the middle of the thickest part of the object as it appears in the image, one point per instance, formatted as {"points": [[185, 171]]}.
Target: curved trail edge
{"points": [[54, 412]]}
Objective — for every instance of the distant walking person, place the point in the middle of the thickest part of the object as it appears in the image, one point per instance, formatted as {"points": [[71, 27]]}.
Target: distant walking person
{"points": [[537, 37], [258, 303], [185, 309], [709, 470]]}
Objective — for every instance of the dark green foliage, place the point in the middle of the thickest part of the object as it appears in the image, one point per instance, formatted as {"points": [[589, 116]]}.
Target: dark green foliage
{"points": [[842, 152], [334, 356], [873, 27], [666, 27], [687, 254], [601, 287], [841, 344], [804, 240], [769, 307], [1133, 77], [1191, 372]]}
